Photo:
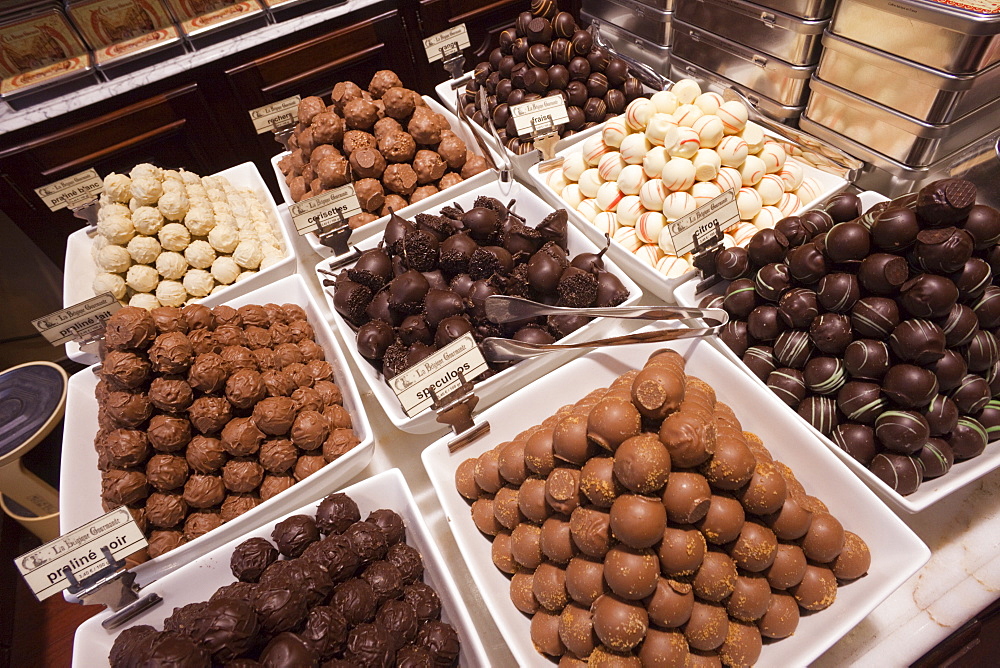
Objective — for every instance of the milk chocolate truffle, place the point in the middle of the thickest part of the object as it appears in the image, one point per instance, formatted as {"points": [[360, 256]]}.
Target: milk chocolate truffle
{"points": [[205, 454], [166, 472], [204, 491], [129, 328], [165, 510], [637, 521], [620, 624], [642, 463], [275, 415], [251, 558], [125, 448], [126, 368], [128, 409], [171, 353], [210, 414], [208, 373]]}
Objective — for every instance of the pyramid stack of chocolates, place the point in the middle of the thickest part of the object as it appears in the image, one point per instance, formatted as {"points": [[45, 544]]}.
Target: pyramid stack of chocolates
{"points": [[879, 329], [546, 53], [329, 589], [642, 526]]}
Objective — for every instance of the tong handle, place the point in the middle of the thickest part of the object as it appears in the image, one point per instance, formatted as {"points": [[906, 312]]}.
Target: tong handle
{"points": [[505, 308]]}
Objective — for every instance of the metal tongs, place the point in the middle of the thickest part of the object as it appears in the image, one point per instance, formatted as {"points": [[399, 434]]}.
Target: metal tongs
{"points": [[502, 308]]}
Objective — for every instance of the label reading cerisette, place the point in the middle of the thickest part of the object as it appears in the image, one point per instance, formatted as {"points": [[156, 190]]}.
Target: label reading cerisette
{"points": [[446, 43], [71, 191], [325, 209], [439, 371], [721, 211], [79, 322], [276, 115], [80, 552], [539, 115]]}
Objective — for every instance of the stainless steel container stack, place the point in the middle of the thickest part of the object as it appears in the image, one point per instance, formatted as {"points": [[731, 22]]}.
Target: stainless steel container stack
{"points": [[639, 29], [766, 49], [908, 86]]}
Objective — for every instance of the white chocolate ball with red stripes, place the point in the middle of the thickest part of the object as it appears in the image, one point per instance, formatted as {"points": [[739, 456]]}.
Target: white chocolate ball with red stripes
{"points": [[709, 102], [732, 151], [710, 131], [589, 208], [654, 160], [774, 156], [589, 182], [626, 237], [672, 266], [631, 179], [634, 148], [678, 204], [574, 165], [688, 143], [767, 218], [664, 101], [652, 194], [753, 135], [789, 204], [809, 190], [649, 225], [686, 90], [629, 210], [606, 222], [614, 131], [666, 241], [706, 164], [593, 148], [678, 174], [734, 116], [705, 191], [748, 202], [771, 188], [649, 254], [608, 196], [638, 113], [571, 195], [687, 114], [752, 171], [792, 174], [556, 180], [610, 166], [661, 130], [729, 179]]}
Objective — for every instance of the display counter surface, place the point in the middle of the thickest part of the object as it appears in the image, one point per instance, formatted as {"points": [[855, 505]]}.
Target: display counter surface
{"points": [[11, 120]]}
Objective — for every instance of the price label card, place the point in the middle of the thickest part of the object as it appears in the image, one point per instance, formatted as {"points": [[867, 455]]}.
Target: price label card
{"points": [[701, 222], [276, 115], [71, 191], [79, 322], [440, 372], [446, 43], [81, 552], [321, 210], [538, 115]]}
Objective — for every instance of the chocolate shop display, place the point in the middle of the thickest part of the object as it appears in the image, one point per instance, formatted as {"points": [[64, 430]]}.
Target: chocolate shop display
{"points": [[205, 413], [643, 525], [878, 329]]}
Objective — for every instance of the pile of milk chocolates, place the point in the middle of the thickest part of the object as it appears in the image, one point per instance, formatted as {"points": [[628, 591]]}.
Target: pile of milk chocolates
{"points": [[879, 329], [547, 54], [329, 589], [427, 282], [642, 526]]}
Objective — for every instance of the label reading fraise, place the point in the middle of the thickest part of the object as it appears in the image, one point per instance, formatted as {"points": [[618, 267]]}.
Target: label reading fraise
{"points": [[720, 214], [538, 116], [439, 372], [446, 43]]}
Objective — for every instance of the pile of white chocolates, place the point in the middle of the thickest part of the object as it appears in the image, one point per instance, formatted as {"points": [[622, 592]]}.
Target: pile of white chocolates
{"points": [[669, 154]]}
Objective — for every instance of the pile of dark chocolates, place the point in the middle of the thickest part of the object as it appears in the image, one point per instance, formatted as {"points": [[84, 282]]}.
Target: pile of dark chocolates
{"points": [[642, 526], [547, 54], [205, 413], [385, 140], [347, 593], [879, 329], [426, 283]]}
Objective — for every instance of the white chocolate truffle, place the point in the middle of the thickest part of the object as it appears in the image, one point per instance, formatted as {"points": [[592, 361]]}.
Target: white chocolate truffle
{"points": [[678, 204], [114, 258], [753, 135], [705, 191], [733, 151], [593, 148], [665, 101], [106, 282], [773, 155], [108, 209], [224, 238], [749, 203], [146, 191], [590, 181], [652, 195], [649, 254], [147, 220], [687, 145], [767, 217], [649, 226], [146, 170], [556, 180], [199, 254], [614, 131], [729, 179], [665, 240], [171, 293], [171, 265], [706, 164], [144, 300], [174, 237], [686, 90], [626, 237], [733, 115], [172, 175], [611, 166], [606, 222], [142, 278], [95, 248], [709, 102], [247, 254], [200, 220], [771, 188], [789, 204], [608, 196], [638, 113], [629, 210], [118, 187], [654, 160], [173, 186], [174, 204], [588, 208], [634, 148], [631, 179], [687, 114], [190, 178], [792, 174], [809, 190], [571, 195], [672, 266], [198, 282], [144, 250], [225, 270], [574, 165], [742, 233], [709, 129], [661, 130], [272, 256], [752, 170], [245, 275], [116, 229], [678, 174]]}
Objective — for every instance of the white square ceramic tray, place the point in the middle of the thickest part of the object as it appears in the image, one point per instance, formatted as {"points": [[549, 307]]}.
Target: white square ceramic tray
{"points": [[897, 553], [80, 270], [930, 491], [197, 580], [496, 387], [646, 276], [80, 483], [376, 226]]}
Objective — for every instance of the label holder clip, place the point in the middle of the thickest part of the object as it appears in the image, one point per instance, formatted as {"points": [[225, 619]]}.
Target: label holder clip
{"points": [[706, 247], [282, 132], [455, 409], [544, 137], [113, 587], [452, 60], [336, 237]]}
